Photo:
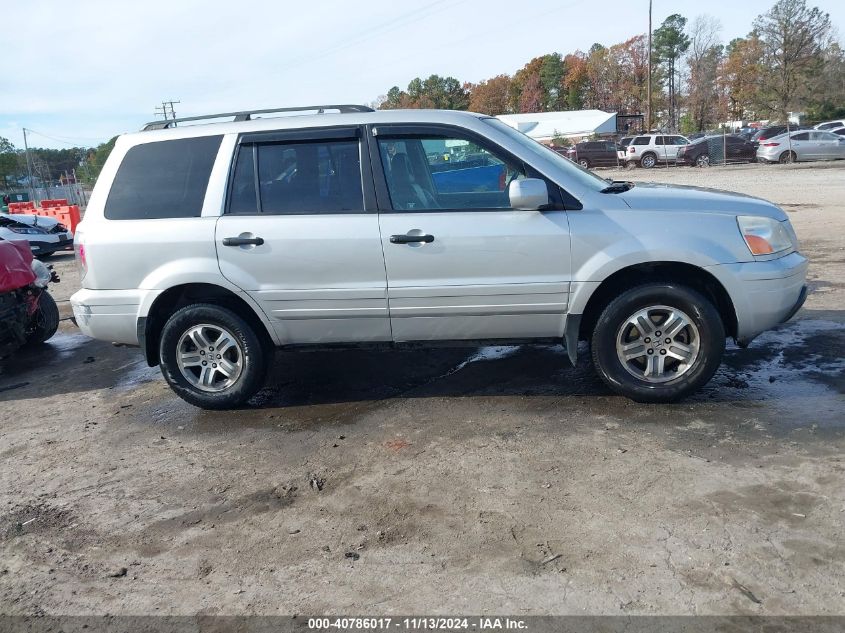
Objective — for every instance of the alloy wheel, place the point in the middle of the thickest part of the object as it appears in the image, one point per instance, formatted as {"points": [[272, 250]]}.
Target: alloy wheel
{"points": [[209, 357], [658, 344]]}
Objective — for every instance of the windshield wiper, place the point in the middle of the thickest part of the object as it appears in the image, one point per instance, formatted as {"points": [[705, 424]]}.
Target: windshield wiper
{"points": [[618, 186]]}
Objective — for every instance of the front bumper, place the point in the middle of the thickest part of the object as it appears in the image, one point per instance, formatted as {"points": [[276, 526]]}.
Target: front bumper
{"points": [[48, 248], [764, 293]]}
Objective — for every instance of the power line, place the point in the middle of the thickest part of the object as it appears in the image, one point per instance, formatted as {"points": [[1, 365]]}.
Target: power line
{"points": [[61, 139]]}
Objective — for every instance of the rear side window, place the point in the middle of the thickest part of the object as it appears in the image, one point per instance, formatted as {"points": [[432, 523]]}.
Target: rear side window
{"points": [[803, 136], [641, 140], [164, 179], [298, 178]]}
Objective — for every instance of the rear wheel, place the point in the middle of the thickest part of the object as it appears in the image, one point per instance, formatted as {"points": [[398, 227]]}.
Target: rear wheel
{"points": [[648, 161], [788, 157], [584, 163], [658, 342], [46, 319], [211, 357]]}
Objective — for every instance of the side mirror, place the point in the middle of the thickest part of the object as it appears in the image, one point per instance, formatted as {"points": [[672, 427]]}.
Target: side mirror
{"points": [[528, 194]]}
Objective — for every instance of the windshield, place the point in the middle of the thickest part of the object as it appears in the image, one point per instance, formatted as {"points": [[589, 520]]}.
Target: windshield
{"points": [[572, 170]]}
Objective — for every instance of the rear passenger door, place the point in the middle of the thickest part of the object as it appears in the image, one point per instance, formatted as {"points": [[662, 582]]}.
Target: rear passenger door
{"points": [[300, 234]]}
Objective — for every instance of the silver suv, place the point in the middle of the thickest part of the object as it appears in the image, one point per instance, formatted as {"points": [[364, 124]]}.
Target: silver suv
{"points": [[210, 245]]}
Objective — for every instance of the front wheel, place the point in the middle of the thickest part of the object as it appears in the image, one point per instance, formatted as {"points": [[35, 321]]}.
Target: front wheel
{"points": [[584, 163], [703, 160], [211, 357], [658, 342]]}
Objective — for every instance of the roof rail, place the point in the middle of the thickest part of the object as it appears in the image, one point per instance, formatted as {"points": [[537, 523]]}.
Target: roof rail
{"points": [[246, 115]]}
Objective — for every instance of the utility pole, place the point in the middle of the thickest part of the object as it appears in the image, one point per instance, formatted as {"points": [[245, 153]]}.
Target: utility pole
{"points": [[163, 109], [648, 97], [28, 168]]}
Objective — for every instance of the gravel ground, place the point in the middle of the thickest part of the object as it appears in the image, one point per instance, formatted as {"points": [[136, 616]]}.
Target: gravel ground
{"points": [[493, 480]]}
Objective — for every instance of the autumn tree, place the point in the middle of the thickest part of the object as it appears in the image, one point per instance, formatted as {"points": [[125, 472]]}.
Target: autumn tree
{"points": [[793, 37], [575, 80], [739, 78], [670, 43], [491, 96]]}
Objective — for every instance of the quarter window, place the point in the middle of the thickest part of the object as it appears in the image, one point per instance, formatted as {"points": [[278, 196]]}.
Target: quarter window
{"points": [[437, 172], [163, 179]]}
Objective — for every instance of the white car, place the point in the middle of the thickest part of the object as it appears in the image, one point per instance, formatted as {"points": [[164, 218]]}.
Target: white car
{"points": [[210, 245], [45, 235], [802, 145], [647, 150], [830, 125]]}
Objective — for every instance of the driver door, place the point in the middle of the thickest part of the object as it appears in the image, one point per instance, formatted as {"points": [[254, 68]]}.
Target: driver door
{"points": [[461, 263]]}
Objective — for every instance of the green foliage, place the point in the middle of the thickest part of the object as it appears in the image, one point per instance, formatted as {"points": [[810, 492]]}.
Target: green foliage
{"points": [[94, 160], [445, 93], [9, 163]]}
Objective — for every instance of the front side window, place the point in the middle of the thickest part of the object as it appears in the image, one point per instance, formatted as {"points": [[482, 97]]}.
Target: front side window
{"points": [[296, 178], [439, 172], [163, 179]]}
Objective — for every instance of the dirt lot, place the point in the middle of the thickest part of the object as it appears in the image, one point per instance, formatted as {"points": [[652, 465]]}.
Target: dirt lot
{"points": [[494, 480]]}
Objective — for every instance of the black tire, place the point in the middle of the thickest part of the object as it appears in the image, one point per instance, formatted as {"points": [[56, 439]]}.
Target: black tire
{"points": [[648, 160], [256, 353], [788, 157], [46, 320], [702, 314], [703, 161], [584, 163]]}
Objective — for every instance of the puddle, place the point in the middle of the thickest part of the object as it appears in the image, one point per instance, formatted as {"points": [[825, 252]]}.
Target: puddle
{"points": [[798, 369]]}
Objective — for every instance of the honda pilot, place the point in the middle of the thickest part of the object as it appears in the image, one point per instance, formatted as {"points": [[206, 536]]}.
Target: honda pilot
{"points": [[210, 245]]}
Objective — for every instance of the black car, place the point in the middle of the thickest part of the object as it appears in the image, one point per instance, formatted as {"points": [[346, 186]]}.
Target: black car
{"points": [[768, 132], [594, 154], [718, 149]]}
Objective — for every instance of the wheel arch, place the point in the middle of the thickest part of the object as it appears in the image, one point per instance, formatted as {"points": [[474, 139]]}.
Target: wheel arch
{"points": [[683, 273], [176, 297]]}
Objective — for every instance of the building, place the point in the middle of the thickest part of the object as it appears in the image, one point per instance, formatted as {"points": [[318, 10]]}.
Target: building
{"points": [[574, 124]]}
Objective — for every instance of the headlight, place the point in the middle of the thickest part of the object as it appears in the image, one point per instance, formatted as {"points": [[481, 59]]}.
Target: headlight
{"points": [[764, 236], [42, 273]]}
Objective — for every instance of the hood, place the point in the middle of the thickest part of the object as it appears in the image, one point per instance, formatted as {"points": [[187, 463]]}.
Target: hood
{"points": [[31, 220], [648, 196]]}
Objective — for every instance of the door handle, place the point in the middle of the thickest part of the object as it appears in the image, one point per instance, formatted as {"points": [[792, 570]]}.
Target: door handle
{"points": [[242, 241], [408, 239]]}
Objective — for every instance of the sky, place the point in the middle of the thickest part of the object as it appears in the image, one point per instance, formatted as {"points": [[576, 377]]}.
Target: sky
{"points": [[77, 77]]}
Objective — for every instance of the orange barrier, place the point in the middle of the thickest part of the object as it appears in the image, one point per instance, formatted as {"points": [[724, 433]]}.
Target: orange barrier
{"points": [[21, 207], [66, 214], [50, 204]]}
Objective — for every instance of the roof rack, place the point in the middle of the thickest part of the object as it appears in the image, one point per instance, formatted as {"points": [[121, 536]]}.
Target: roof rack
{"points": [[246, 115]]}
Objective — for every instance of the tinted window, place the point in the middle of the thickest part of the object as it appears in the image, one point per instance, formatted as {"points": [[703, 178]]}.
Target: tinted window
{"points": [[641, 140], [658, 140], [445, 173], [840, 132], [164, 179], [679, 140], [299, 178], [803, 136]]}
